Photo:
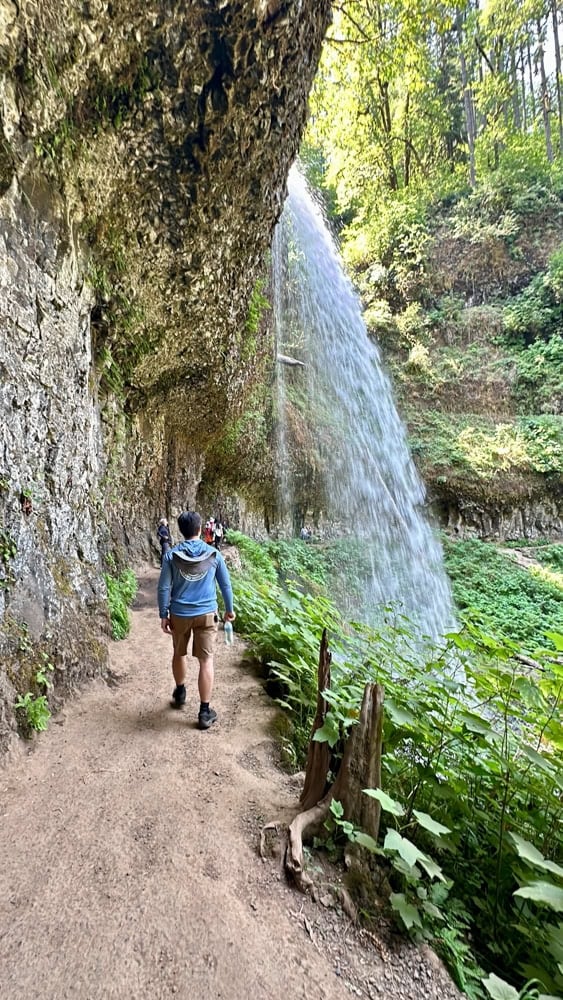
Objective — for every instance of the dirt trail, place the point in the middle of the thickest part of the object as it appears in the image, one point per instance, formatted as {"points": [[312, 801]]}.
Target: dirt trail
{"points": [[128, 853]]}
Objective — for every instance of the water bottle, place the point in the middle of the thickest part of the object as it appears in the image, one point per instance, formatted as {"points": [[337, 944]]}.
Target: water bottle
{"points": [[228, 630]]}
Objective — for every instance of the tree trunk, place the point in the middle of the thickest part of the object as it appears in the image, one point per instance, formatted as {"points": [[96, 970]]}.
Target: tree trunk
{"points": [[523, 88], [515, 92], [407, 152], [531, 78], [468, 105], [361, 764], [545, 103], [558, 73]]}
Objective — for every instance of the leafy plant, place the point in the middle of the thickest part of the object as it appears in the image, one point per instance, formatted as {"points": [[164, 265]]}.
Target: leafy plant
{"points": [[121, 592], [36, 710], [471, 759], [36, 706]]}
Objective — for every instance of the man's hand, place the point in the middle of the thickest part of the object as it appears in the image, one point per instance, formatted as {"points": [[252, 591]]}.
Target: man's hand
{"points": [[166, 625], [229, 616]]}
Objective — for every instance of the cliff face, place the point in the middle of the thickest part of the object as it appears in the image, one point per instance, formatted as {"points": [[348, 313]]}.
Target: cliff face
{"points": [[144, 150]]}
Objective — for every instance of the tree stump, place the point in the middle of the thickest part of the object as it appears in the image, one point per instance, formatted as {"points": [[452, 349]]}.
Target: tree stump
{"points": [[318, 755], [360, 768]]}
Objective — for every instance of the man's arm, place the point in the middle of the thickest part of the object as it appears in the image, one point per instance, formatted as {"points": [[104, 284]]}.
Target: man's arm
{"points": [[224, 581], [164, 591]]}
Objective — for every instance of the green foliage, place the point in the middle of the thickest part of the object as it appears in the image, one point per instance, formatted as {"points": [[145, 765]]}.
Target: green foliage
{"points": [[257, 306], [121, 592], [8, 550], [538, 375], [36, 706], [36, 710], [538, 311], [551, 556], [507, 597], [472, 762], [471, 443]]}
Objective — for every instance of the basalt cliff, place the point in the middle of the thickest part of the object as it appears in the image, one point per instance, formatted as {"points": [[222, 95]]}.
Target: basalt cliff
{"points": [[144, 151]]}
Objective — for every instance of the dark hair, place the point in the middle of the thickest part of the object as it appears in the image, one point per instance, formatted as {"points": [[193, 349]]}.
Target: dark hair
{"points": [[189, 523]]}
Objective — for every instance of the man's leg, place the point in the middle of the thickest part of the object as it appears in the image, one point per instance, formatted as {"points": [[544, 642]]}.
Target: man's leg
{"points": [[205, 679], [180, 636], [179, 668], [204, 646]]}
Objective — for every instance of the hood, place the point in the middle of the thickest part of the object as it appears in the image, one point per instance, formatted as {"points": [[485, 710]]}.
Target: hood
{"points": [[195, 547]]}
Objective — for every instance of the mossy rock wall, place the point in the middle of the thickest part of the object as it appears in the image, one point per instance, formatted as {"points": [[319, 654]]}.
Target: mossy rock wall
{"points": [[144, 151]]}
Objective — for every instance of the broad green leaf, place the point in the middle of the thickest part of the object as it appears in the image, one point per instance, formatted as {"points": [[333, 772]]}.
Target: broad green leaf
{"points": [[430, 824], [537, 758], [543, 892], [459, 640], [387, 803], [410, 853], [400, 716], [408, 913], [336, 808], [474, 723], [498, 989], [328, 733], [557, 640], [529, 853], [364, 840], [432, 910], [431, 867]]}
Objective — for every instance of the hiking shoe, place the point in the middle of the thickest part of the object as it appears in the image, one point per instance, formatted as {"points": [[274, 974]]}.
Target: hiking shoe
{"points": [[178, 696], [207, 718]]}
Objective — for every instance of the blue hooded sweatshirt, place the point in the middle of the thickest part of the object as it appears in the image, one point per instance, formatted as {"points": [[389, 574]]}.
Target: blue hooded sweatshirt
{"points": [[187, 584]]}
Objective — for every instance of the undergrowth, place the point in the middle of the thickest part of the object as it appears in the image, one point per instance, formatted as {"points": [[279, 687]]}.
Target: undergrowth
{"points": [[472, 780], [505, 597], [121, 592]]}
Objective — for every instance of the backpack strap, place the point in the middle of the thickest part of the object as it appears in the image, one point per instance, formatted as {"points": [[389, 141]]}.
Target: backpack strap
{"points": [[193, 568]]}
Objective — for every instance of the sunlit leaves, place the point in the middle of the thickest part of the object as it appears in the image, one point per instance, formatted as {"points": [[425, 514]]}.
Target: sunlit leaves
{"points": [[529, 853], [543, 892]]}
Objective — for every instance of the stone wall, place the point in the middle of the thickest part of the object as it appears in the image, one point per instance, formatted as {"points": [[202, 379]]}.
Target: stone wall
{"points": [[144, 150]]}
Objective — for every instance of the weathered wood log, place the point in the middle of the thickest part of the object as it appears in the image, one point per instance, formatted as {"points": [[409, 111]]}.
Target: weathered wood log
{"points": [[318, 754], [284, 359], [360, 768], [363, 766]]}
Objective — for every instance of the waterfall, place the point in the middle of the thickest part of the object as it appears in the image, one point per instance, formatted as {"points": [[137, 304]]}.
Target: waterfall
{"points": [[340, 409]]}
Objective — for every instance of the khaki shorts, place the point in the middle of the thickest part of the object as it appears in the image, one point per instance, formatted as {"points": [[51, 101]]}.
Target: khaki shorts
{"points": [[204, 628]]}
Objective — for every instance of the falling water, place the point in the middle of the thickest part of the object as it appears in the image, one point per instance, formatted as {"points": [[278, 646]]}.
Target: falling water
{"points": [[365, 474]]}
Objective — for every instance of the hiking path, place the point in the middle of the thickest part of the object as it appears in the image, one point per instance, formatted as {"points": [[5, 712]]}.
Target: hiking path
{"points": [[129, 861]]}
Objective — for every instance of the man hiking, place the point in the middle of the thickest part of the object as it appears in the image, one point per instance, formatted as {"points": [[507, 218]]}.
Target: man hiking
{"points": [[187, 603]]}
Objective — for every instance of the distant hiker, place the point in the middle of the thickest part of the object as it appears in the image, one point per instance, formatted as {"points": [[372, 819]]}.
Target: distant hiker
{"points": [[208, 534], [218, 535], [187, 603], [303, 534], [164, 537]]}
